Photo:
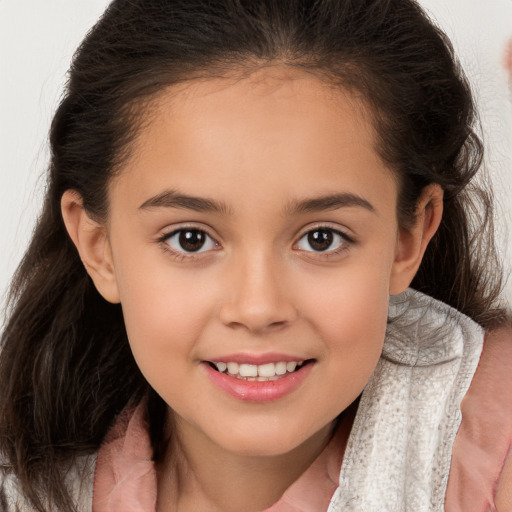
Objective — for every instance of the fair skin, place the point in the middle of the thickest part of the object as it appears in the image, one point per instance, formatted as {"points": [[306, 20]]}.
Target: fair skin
{"points": [[295, 250]]}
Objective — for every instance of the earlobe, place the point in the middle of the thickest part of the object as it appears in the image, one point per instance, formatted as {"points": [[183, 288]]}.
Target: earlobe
{"points": [[413, 241], [91, 240]]}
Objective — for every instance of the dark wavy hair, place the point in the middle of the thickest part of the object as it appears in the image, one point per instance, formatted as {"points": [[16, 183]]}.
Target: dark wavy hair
{"points": [[66, 369]]}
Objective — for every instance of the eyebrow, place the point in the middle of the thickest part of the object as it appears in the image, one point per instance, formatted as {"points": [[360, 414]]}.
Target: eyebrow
{"points": [[174, 199], [329, 202]]}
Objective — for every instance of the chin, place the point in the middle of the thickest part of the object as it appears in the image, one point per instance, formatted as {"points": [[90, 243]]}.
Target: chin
{"points": [[261, 441]]}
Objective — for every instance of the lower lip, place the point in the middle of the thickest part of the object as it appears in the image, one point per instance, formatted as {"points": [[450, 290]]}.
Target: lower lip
{"points": [[254, 391]]}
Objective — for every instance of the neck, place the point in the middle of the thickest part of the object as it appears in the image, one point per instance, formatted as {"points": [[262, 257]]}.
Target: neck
{"points": [[200, 475]]}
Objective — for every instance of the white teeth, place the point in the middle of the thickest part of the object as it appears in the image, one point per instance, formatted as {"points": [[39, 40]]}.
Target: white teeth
{"points": [[262, 372], [221, 366], [233, 368], [290, 367], [267, 370], [248, 370], [280, 368]]}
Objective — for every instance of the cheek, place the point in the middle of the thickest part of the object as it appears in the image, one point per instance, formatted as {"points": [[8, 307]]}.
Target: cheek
{"points": [[349, 310], [351, 300], [164, 311], [354, 335], [164, 325]]}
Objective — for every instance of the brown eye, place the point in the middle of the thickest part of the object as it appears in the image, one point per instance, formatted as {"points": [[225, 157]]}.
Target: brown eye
{"points": [[190, 240], [322, 240]]}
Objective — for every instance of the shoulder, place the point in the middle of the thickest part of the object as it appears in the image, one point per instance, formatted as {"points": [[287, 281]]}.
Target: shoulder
{"points": [[410, 409], [481, 468], [79, 477], [80, 480], [501, 341], [11, 499]]}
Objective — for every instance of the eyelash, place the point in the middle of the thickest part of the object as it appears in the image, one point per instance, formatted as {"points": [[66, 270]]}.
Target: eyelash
{"points": [[182, 255], [163, 241], [345, 242]]}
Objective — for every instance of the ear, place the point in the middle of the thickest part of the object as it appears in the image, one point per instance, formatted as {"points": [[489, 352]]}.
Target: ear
{"points": [[413, 241], [92, 243]]}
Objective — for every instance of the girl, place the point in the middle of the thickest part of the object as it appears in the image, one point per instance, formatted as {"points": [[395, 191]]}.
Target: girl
{"points": [[214, 313]]}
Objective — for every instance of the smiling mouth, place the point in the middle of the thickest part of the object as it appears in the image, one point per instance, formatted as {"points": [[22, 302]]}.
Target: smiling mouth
{"points": [[259, 373]]}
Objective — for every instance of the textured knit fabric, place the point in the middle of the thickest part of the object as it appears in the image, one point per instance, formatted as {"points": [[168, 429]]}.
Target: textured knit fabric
{"points": [[79, 478], [399, 451]]}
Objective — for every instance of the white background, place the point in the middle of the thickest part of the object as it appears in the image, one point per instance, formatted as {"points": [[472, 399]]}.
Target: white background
{"points": [[37, 40]]}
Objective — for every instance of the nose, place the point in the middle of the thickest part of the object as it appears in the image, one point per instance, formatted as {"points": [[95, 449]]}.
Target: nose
{"points": [[258, 298]]}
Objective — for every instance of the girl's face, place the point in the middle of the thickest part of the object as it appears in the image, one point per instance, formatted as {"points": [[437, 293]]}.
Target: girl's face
{"points": [[253, 243]]}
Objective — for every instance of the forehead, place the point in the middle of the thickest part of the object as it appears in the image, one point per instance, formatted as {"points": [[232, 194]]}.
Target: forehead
{"points": [[274, 131]]}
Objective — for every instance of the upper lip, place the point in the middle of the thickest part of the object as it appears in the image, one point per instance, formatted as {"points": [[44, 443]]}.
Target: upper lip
{"points": [[257, 359]]}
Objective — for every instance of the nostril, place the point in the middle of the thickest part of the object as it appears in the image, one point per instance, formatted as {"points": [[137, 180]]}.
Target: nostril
{"points": [[258, 327], [280, 323]]}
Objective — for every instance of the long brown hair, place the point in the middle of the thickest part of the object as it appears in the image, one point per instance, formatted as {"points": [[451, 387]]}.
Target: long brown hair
{"points": [[66, 369]]}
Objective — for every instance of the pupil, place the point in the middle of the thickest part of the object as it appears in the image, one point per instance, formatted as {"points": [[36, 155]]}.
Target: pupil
{"points": [[320, 240], [192, 240]]}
